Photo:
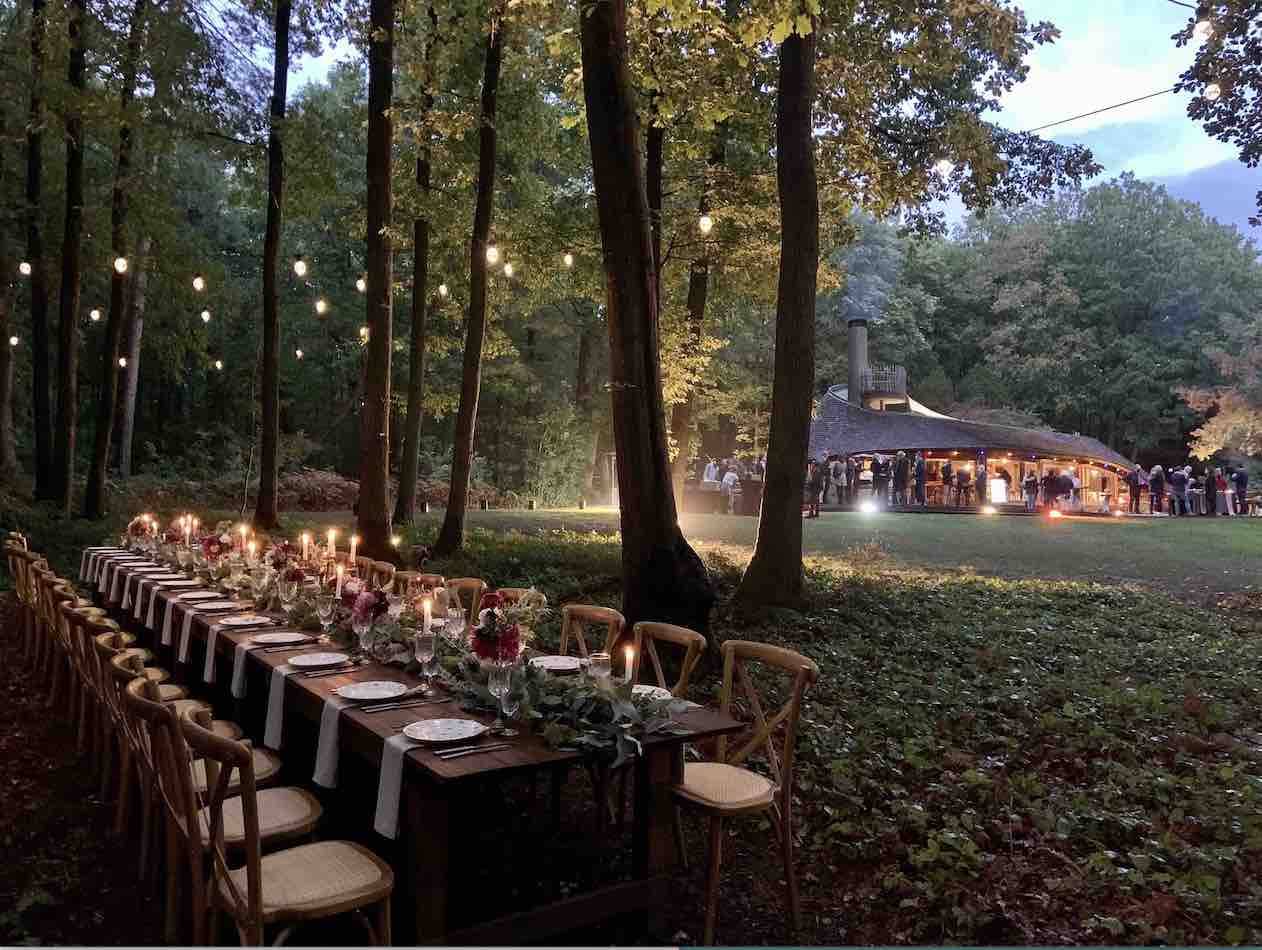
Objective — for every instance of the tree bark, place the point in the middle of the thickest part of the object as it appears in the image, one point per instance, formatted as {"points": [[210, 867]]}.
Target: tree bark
{"points": [[265, 510], [583, 403], [405, 504], [71, 267], [134, 326], [374, 427], [41, 355], [8, 296], [94, 494], [655, 159], [663, 578], [774, 574], [451, 537]]}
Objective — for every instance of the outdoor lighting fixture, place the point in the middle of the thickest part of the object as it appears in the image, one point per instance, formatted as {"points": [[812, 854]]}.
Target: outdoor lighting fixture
{"points": [[205, 316], [298, 354], [361, 284], [442, 290], [1117, 512], [13, 341], [1053, 513], [395, 540], [944, 167], [492, 254], [25, 268], [122, 361], [1213, 92], [508, 269], [199, 283], [300, 266], [94, 315], [989, 510], [868, 507], [569, 260], [219, 364], [322, 306], [705, 224], [120, 265], [363, 334], [1203, 30]]}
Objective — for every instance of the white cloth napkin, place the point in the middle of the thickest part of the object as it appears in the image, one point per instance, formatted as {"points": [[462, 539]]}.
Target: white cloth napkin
{"points": [[327, 748], [276, 705], [185, 631], [208, 670], [166, 624], [115, 594], [238, 669], [153, 605], [101, 588], [390, 784]]}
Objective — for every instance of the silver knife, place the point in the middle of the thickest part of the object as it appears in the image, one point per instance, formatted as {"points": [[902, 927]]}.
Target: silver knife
{"points": [[462, 753]]}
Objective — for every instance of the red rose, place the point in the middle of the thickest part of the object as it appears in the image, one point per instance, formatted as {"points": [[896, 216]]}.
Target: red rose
{"points": [[491, 600]]}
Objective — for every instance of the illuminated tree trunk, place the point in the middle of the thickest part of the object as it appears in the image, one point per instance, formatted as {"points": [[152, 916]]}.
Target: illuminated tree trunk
{"points": [[451, 537], [41, 354], [374, 418], [94, 495], [774, 575], [265, 509], [663, 578]]}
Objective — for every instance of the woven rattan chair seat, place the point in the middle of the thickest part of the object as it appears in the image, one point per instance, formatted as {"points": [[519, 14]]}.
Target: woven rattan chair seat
{"points": [[266, 767], [311, 879], [283, 813], [721, 786]]}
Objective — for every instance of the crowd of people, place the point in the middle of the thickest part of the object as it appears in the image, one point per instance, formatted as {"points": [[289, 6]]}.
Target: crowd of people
{"points": [[727, 474], [1178, 492]]}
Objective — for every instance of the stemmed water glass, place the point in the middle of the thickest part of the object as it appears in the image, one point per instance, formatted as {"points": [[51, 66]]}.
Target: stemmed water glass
{"points": [[455, 623], [501, 686], [324, 610], [600, 667], [288, 591], [423, 650], [362, 625]]}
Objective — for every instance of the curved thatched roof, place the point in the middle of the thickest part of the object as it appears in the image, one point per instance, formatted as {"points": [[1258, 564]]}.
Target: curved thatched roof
{"points": [[843, 428]]}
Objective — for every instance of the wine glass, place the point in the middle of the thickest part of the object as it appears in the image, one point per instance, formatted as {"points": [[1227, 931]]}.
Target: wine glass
{"points": [[324, 611], [600, 667], [362, 625], [455, 622], [423, 650], [288, 594], [501, 686]]}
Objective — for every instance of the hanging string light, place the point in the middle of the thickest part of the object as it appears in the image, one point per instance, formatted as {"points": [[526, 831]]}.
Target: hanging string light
{"points": [[13, 341], [219, 364], [24, 268], [492, 254], [442, 290], [94, 315], [321, 306], [300, 266], [205, 316], [363, 334], [361, 284], [122, 362], [508, 269], [705, 224], [120, 265], [568, 259], [199, 283], [1213, 92], [298, 354]]}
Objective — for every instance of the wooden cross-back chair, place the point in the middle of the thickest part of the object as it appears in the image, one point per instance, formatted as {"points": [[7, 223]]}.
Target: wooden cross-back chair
{"points": [[107, 644], [382, 574], [41, 637], [73, 619], [402, 579], [307, 882], [468, 592], [15, 556], [724, 788], [574, 617], [510, 595], [647, 634]]}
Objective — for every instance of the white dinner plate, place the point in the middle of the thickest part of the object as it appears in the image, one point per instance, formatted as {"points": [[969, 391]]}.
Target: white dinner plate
{"points": [[198, 595], [371, 689], [645, 691], [557, 664], [164, 577], [176, 584], [219, 605], [245, 620], [280, 638], [315, 661], [441, 731]]}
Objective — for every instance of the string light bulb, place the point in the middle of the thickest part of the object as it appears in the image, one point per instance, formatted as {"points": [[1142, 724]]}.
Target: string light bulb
{"points": [[300, 266], [363, 334], [492, 254], [395, 540], [199, 283], [1203, 30], [205, 316], [24, 268], [442, 290], [508, 269], [298, 354], [120, 265], [705, 224], [321, 306], [1213, 92], [219, 364], [122, 362], [361, 284], [13, 341], [94, 315], [568, 259]]}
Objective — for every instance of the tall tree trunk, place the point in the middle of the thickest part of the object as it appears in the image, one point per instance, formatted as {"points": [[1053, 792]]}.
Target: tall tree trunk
{"points": [[663, 578], [655, 159], [265, 511], [451, 537], [8, 296], [774, 575], [94, 495], [71, 266], [405, 504], [583, 405], [134, 326], [374, 427], [41, 352]]}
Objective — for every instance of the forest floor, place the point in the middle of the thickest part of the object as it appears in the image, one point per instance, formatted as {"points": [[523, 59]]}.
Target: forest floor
{"points": [[1017, 759]]}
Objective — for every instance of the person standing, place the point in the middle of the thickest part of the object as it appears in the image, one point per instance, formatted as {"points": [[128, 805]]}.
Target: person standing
{"points": [[948, 482], [838, 473], [711, 471], [1240, 480], [901, 472], [729, 487], [1211, 491], [1178, 492], [983, 488], [918, 473], [826, 477], [1031, 487], [963, 486], [1132, 489], [1156, 491], [852, 480], [814, 487]]}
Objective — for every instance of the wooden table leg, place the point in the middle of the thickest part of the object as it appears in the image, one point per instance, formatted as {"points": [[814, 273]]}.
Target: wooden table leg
{"points": [[427, 858], [653, 836]]}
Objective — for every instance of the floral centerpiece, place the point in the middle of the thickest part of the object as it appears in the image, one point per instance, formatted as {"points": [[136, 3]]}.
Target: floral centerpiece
{"points": [[503, 629]]}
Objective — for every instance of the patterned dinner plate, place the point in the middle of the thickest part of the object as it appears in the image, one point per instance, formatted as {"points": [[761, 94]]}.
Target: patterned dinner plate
{"points": [[441, 731], [557, 664], [644, 691], [177, 583], [244, 620], [371, 689], [219, 605], [280, 638], [315, 661], [198, 595]]}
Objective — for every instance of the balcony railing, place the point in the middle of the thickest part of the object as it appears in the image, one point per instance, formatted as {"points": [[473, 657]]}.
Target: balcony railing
{"points": [[888, 380]]}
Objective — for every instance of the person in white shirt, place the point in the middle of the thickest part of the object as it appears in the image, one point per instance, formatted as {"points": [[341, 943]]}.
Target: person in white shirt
{"points": [[729, 487], [711, 471]]}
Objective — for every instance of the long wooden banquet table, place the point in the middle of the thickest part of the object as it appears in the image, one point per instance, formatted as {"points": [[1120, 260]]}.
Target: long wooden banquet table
{"points": [[429, 907]]}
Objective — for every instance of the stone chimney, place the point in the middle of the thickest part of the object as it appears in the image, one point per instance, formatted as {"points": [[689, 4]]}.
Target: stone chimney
{"points": [[857, 332]]}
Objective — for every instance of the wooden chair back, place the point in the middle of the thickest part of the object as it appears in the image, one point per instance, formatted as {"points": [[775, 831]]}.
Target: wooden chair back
{"points": [[510, 595], [421, 580], [382, 574], [761, 735], [168, 753], [221, 757], [574, 617], [125, 667], [468, 592], [647, 634]]}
